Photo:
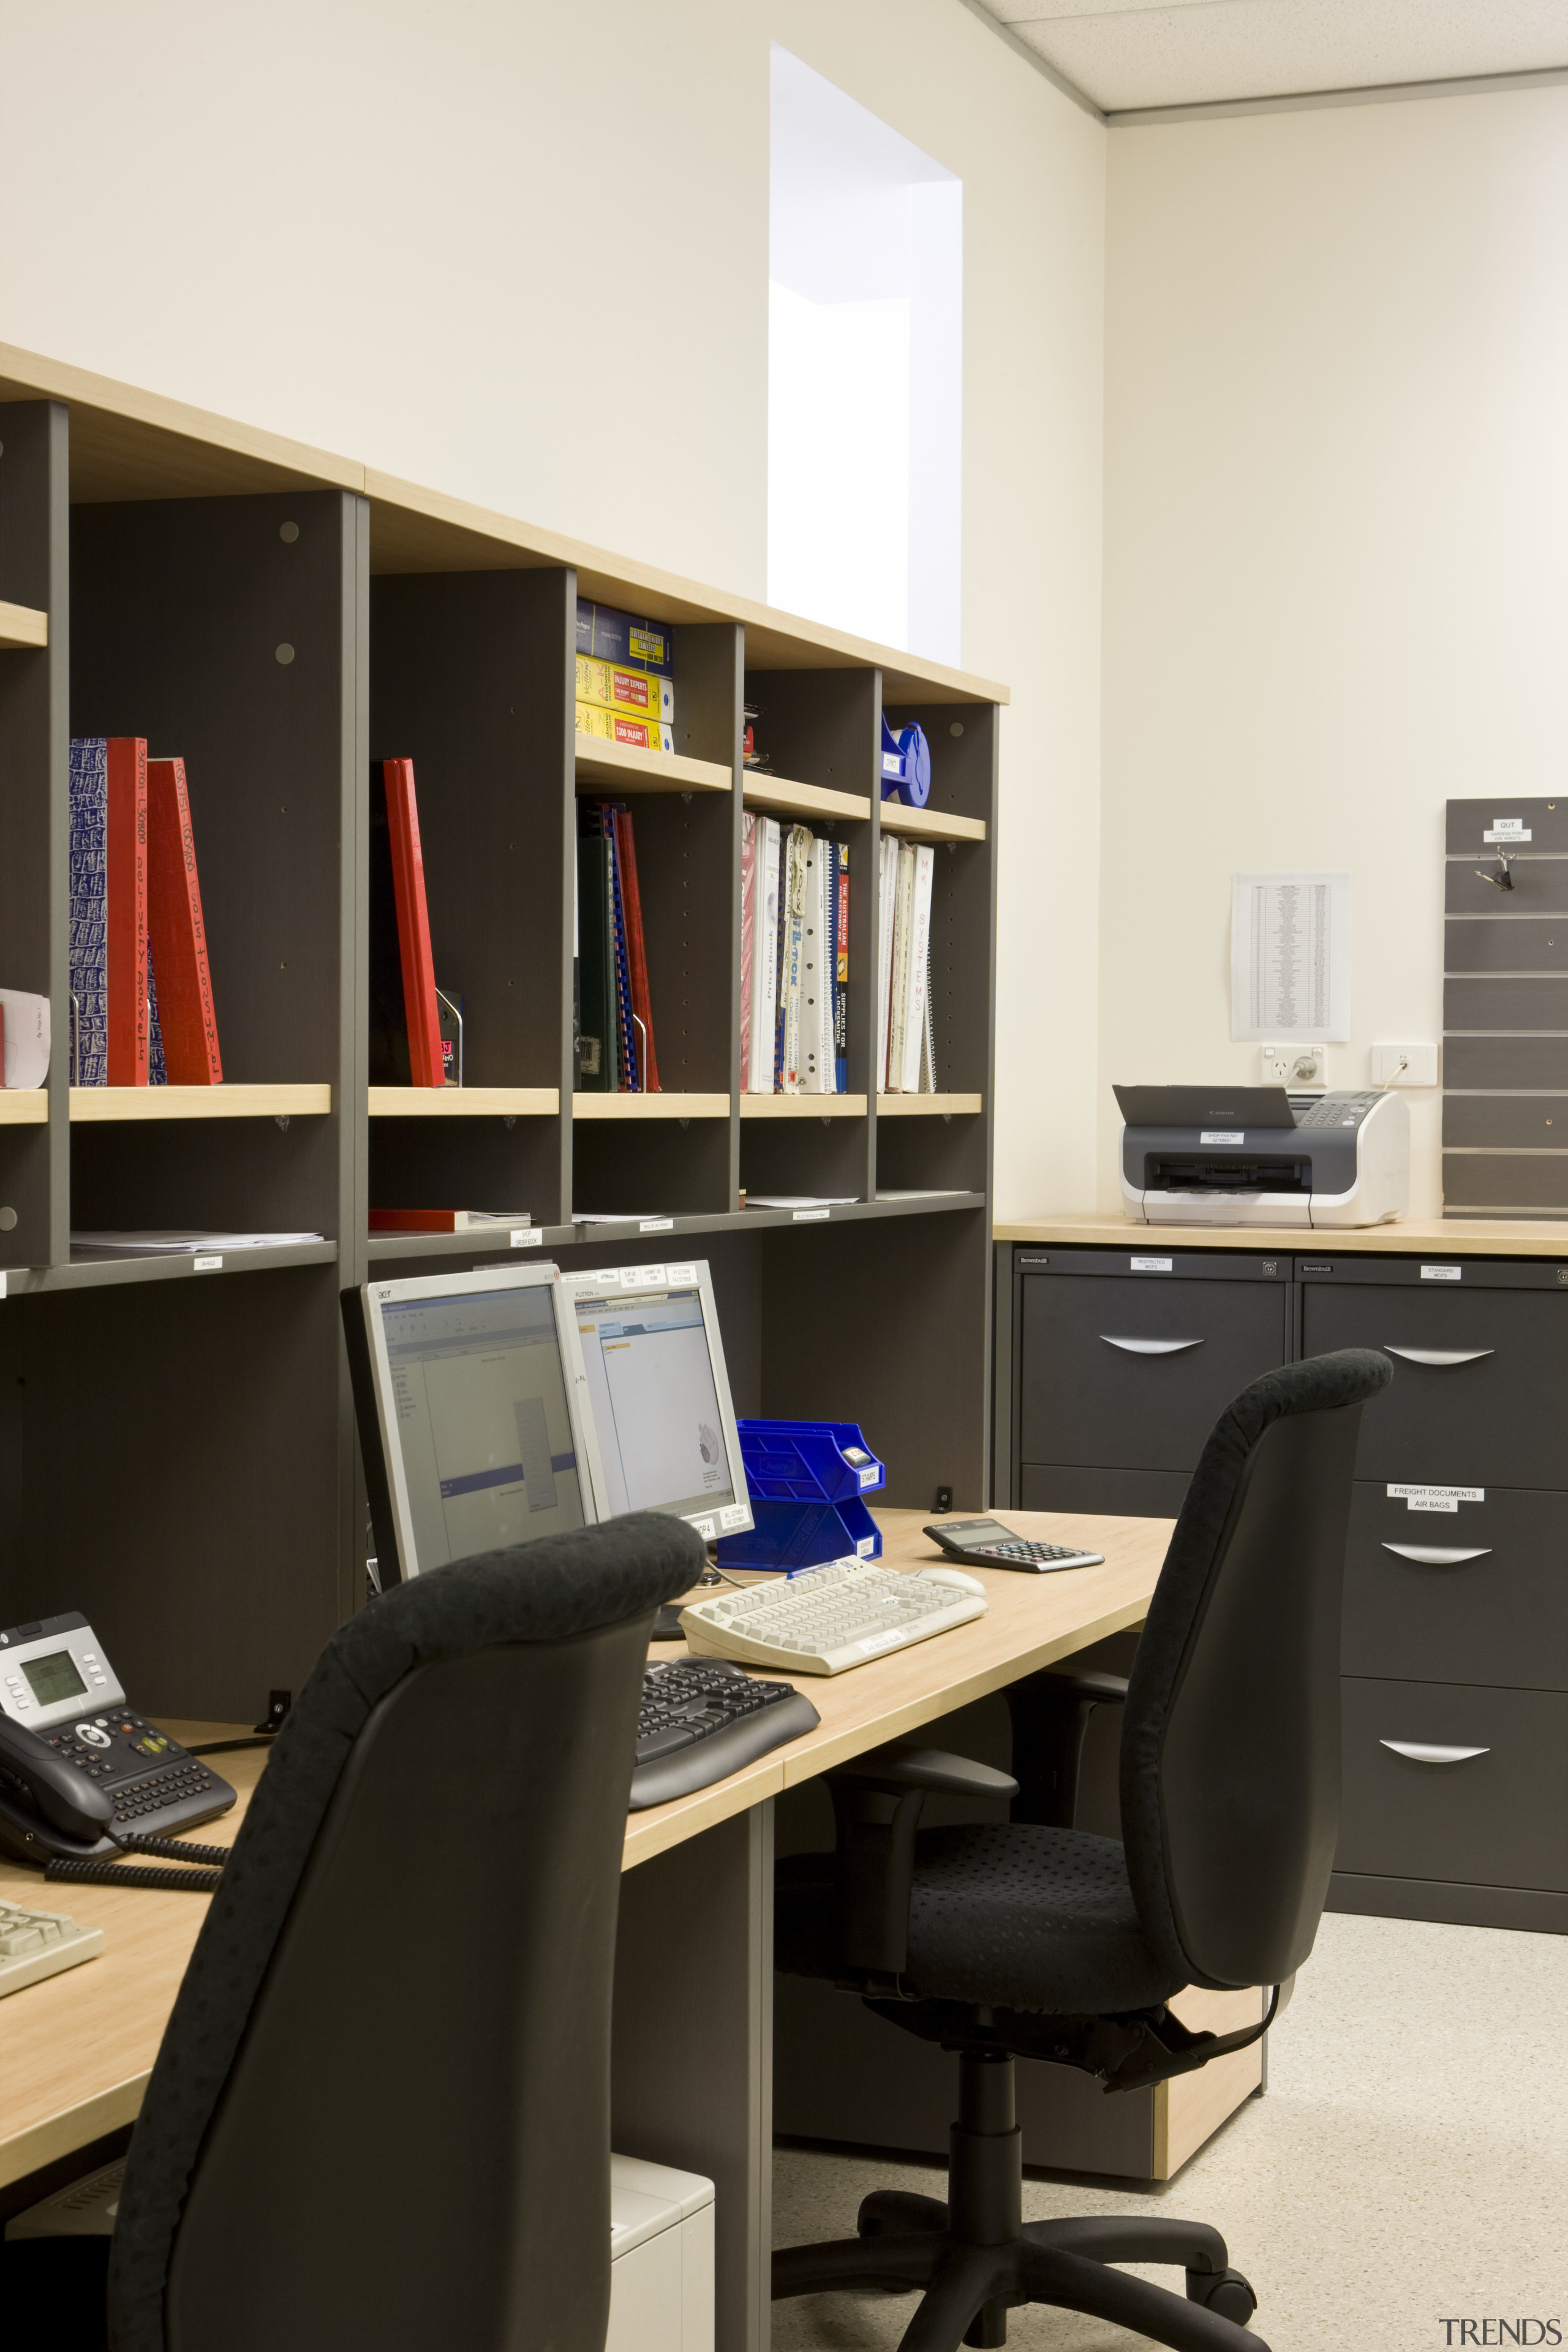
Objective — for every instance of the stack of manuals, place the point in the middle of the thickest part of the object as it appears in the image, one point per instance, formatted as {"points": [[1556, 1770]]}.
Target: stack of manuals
{"points": [[795, 960], [906, 1060], [626, 679]]}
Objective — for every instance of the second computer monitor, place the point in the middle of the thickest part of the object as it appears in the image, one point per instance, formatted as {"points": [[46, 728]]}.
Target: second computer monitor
{"points": [[659, 1395]]}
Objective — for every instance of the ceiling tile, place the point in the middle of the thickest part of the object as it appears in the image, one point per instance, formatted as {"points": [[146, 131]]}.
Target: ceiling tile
{"points": [[1190, 52]]}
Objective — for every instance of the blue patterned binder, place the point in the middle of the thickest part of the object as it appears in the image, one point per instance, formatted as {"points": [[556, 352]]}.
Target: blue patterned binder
{"points": [[632, 1055], [88, 873]]}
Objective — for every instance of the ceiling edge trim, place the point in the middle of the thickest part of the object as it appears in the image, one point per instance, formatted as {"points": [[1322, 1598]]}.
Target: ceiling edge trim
{"points": [[1033, 57], [1394, 93]]}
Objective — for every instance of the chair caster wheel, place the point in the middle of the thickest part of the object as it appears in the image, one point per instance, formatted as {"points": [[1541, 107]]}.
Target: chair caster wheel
{"points": [[1225, 2293]]}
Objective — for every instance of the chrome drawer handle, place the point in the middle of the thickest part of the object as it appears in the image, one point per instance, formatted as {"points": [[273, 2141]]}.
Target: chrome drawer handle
{"points": [[1424, 1753], [1438, 1555], [1438, 1355], [1151, 1346]]}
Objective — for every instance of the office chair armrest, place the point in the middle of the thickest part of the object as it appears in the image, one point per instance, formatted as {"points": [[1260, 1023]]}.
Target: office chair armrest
{"points": [[935, 1771], [1050, 1714], [877, 1805]]}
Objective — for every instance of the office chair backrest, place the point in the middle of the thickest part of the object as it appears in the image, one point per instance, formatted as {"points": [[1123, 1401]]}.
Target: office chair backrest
{"points": [[380, 2115], [1231, 1743]]}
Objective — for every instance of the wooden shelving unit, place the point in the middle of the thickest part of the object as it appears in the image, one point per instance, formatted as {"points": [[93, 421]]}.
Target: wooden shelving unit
{"points": [[803, 1106], [206, 1420], [804, 802], [929, 1106], [21, 628], [100, 1104], [930, 825], [463, 1102], [621, 768], [655, 1106]]}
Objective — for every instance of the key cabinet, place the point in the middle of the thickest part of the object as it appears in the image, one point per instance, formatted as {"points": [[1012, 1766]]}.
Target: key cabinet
{"points": [[1455, 1647], [177, 1438]]}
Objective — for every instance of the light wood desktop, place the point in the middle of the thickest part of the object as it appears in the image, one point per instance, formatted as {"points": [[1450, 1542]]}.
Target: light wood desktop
{"points": [[694, 1980]]}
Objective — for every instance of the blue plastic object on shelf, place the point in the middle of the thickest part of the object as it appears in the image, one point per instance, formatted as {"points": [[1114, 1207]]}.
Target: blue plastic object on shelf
{"points": [[906, 765], [807, 1480]]}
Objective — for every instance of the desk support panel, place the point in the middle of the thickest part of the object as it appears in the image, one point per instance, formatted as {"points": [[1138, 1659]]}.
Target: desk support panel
{"points": [[692, 2071]]}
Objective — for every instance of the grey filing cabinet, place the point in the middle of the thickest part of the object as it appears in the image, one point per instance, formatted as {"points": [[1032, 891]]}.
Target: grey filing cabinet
{"points": [[1124, 1359], [1455, 1628], [1455, 1616]]}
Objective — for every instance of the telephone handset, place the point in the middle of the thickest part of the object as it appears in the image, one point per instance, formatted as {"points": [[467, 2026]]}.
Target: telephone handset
{"points": [[79, 1768]]}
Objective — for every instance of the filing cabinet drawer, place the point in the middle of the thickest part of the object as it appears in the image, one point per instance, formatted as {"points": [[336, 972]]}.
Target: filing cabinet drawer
{"points": [[1120, 1494], [1479, 1394], [1478, 1594], [1132, 1374], [1496, 1817]]}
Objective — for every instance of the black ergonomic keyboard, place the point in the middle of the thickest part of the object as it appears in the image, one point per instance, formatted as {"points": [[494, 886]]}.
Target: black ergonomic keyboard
{"points": [[157, 1785], [701, 1720]]}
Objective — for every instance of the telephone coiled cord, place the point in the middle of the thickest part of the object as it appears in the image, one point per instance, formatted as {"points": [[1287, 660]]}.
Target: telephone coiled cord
{"points": [[195, 1880]]}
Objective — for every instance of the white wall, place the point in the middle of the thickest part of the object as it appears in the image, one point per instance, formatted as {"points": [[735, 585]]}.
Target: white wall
{"points": [[1336, 543], [520, 251]]}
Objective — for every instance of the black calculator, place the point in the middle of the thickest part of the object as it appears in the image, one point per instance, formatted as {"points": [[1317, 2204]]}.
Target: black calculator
{"points": [[986, 1543]]}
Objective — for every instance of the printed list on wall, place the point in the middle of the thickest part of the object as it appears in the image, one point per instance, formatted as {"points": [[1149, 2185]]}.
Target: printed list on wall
{"points": [[1290, 956]]}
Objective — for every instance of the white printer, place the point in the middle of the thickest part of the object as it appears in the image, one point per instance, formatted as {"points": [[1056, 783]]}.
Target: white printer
{"points": [[1258, 1156]]}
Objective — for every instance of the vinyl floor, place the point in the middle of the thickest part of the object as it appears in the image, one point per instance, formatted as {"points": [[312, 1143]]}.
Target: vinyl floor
{"points": [[1408, 2165]]}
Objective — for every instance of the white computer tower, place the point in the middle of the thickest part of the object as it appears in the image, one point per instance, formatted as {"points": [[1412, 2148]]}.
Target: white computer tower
{"points": [[661, 2259], [661, 2248]]}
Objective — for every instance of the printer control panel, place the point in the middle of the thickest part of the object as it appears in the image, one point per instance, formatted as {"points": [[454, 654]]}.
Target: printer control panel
{"points": [[1332, 1110]]}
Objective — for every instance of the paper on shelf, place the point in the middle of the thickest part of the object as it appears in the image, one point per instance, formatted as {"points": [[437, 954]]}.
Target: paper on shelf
{"points": [[1290, 956], [158, 1242], [27, 1037], [801, 1200]]}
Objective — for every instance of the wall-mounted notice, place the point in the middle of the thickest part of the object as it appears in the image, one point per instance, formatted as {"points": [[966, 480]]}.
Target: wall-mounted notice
{"points": [[1290, 956]]}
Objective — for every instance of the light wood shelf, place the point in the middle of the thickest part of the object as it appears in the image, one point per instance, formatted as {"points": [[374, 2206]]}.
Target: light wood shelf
{"points": [[803, 1106], [464, 1102], [928, 1106], [930, 825], [24, 1107], [94, 1104], [596, 1106], [778, 795], [21, 627], [627, 769]]}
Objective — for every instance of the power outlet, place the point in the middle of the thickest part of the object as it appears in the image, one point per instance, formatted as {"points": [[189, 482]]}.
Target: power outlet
{"points": [[1304, 1068], [1403, 1064]]}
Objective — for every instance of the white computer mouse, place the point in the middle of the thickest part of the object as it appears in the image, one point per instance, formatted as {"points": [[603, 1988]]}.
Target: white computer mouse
{"points": [[954, 1578]]}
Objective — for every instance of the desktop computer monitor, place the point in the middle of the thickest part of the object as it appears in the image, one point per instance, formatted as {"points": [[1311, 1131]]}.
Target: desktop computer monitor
{"points": [[471, 1401], [659, 1395]]}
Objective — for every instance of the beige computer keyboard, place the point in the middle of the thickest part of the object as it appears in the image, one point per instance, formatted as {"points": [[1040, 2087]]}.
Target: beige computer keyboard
{"points": [[827, 1619], [34, 1944]]}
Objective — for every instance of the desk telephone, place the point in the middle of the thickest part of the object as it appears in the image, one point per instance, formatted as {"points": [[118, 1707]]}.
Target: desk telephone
{"points": [[82, 1774]]}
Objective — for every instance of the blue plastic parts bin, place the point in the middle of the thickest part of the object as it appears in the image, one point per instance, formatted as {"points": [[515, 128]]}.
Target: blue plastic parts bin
{"points": [[806, 1492]]}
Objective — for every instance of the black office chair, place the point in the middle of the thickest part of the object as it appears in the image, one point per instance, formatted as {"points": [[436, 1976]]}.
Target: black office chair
{"points": [[380, 2115], [1030, 1939]]}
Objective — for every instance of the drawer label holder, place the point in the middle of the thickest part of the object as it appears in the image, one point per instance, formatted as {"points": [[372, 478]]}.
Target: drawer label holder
{"points": [[1436, 1499], [1150, 1265]]}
